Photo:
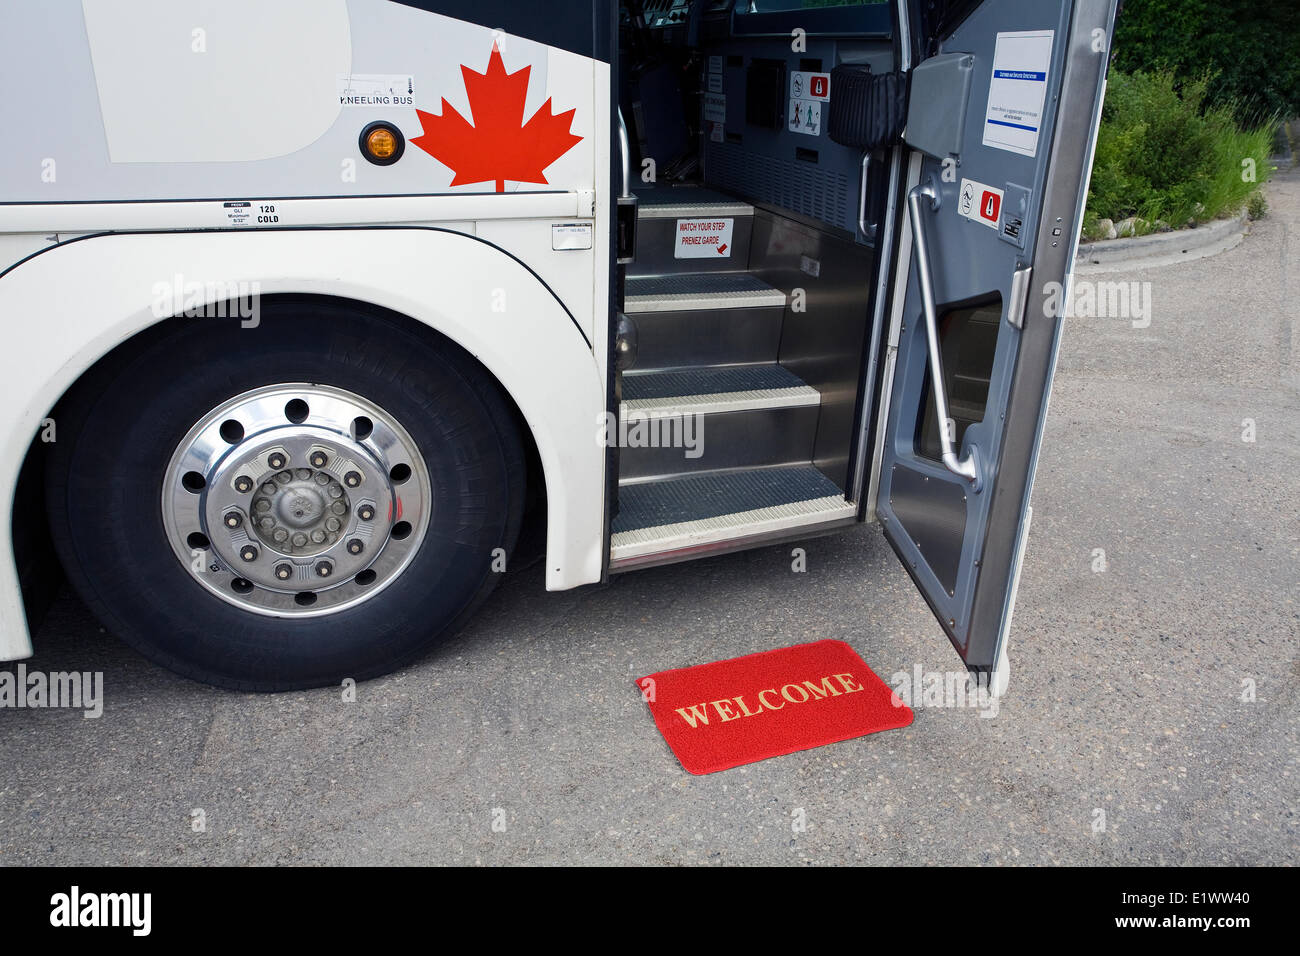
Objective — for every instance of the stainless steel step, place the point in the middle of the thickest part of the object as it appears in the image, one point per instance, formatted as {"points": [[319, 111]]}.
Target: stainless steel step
{"points": [[684, 421], [660, 209], [693, 292], [709, 319], [705, 391], [688, 202], [672, 519]]}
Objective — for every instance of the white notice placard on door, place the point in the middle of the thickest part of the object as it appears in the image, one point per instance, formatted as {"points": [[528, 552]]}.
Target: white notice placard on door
{"points": [[1018, 90]]}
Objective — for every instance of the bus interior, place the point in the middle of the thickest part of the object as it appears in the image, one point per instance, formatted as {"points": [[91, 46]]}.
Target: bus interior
{"points": [[771, 128]]}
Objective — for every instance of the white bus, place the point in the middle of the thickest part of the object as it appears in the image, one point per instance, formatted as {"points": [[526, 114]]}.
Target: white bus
{"points": [[310, 305]]}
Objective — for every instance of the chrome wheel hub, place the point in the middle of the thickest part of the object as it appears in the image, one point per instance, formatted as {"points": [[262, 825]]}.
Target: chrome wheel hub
{"points": [[300, 511], [295, 500]]}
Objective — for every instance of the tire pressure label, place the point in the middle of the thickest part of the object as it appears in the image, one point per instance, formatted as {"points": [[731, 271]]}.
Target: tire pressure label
{"points": [[238, 213], [246, 213], [703, 239]]}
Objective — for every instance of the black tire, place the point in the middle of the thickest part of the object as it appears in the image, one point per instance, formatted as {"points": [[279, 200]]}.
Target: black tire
{"points": [[119, 428]]}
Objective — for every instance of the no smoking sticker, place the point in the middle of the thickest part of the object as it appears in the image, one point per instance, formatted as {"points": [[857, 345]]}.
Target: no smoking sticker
{"points": [[980, 203]]}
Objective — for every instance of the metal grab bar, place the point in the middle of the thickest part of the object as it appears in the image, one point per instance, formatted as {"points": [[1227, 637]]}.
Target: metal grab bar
{"points": [[625, 152], [967, 467], [867, 229]]}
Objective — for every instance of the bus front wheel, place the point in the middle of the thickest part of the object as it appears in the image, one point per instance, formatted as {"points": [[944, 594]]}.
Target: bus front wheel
{"points": [[325, 496]]}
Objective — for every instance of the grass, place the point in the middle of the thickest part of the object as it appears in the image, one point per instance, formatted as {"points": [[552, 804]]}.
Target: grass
{"points": [[1165, 156]]}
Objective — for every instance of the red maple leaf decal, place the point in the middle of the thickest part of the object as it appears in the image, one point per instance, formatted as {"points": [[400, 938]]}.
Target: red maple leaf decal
{"points": [[499, 146]]}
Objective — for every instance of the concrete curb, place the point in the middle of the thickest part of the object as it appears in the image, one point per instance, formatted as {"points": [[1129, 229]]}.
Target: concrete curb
{"points": [[1161, 248]]}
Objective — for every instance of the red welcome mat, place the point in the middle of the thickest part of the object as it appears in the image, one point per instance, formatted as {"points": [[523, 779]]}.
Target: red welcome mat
{"points": [[729, 713]]}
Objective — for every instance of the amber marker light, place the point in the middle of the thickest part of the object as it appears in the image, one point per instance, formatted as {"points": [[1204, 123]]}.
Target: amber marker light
{"points": [[382, 143]]}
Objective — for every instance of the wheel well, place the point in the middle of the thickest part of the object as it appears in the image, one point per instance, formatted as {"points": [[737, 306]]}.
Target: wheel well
{"points": [[38, 567]]}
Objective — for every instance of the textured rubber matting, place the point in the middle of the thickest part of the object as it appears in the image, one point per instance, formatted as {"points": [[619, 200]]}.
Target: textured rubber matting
{"points": [[693, 498], [715, 380], [728, 713]]}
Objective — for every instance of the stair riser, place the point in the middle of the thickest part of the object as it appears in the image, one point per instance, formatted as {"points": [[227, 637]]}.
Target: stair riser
{"points": [[744, 439], [707, 337], [656, 242]]}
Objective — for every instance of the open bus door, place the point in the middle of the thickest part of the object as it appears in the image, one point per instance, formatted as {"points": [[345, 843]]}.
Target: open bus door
{"points": [[1002, 122]]}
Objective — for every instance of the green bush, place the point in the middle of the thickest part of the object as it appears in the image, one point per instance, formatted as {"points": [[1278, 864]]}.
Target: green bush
{"points": [[1251, 49], [1164, 154]]}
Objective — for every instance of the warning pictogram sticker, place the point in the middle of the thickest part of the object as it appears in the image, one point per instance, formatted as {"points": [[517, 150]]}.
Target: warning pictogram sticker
{"points": [[980, 203]]}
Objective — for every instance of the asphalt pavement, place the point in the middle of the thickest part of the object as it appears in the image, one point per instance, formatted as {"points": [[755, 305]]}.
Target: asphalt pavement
{"points": [[1151, 716]]}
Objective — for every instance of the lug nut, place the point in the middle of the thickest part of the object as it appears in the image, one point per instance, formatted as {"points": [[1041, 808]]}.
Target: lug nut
{"points": [[324, 569], [319, 459], [276, 461], [366, 513], [234, 519], [284, 571], [248, 552], [243, 484], [352, 479], [356, 546]]}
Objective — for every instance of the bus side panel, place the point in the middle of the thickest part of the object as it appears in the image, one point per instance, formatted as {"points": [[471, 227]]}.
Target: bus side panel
{"points": [[243, 99], [65, 308]]}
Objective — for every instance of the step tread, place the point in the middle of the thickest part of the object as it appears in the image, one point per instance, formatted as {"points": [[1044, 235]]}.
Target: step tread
{"points": [[687, 202], [719, 498], [679, 514], [714, 389], [708, 380], [700, 290]]}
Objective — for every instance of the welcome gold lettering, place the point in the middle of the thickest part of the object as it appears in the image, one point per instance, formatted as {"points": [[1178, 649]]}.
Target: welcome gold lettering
{"points": [[698, 713], [723, 707], [770, 698], [825, 688]]}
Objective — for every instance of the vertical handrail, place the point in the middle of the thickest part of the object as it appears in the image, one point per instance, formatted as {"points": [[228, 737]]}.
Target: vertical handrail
{"points": [[867, 229], [625, 152], [966, 467]]}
